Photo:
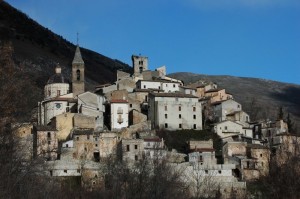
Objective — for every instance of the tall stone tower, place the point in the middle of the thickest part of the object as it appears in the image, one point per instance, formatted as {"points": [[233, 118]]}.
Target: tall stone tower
{"points": [[140, 64], [77, 73]]}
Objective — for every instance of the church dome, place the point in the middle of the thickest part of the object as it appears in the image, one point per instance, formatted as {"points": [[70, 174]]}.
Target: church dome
{"points": [[57, 77]]}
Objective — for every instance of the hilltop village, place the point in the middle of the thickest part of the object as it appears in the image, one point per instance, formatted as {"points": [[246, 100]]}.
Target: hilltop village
{"points": [[77, 129]]}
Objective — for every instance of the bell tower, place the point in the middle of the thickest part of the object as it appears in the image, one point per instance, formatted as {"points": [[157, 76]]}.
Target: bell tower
{"points": [[77, 73]]}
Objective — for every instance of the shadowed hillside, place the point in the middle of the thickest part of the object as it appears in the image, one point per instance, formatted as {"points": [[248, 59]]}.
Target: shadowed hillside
{"points": [[264, 95], [37, 49]]}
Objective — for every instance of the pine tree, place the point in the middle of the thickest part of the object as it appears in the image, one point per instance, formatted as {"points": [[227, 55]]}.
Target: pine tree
{"points": [[290, 124], [280, 113]]}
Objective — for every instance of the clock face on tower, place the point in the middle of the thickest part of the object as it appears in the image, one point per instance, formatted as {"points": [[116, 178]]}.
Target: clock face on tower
{"points": [[57, 105]]}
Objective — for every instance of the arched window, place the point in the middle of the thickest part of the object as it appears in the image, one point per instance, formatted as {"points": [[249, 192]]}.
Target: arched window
{"points": [[78, 75]]}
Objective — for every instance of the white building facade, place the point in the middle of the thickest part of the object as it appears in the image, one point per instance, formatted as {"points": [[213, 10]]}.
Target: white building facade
{"points": [[174, 111], [119, 114]]}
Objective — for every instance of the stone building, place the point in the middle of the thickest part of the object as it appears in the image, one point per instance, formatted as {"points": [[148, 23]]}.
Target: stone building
{"points": [[202, 152], [86, 144], [223, 108], [132, 149], [140, 64], [91, 104], [154, 147], [228, 128], [45, 142], [174, 111]]}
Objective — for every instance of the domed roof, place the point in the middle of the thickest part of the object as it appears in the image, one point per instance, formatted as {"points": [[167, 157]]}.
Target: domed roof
{"points": [[57, 77]]}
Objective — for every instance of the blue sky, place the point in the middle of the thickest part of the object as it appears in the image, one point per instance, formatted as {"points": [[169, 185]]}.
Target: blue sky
{"points": [[248, 38]]}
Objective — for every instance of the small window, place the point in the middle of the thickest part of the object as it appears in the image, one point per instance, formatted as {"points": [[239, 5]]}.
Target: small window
{"points": [[49, 135], [166, 125], [128, 147], [78, 75], [96, 139], [85, 149], [88, 137], [130, 105], [174, 85], [58, 92], [94, 182], [219, 171], [144, 86], [261, 155], [67, 146], [194, 116], [179, 116], [136, 157], [206, 171], [179, 108], [238, 106], [180, 126], [78, 170], [195, 126], [166, 108], [77, 138], [166, 116], [65, 171], [225, 127], [51, 173], [194, 108], [96, 145], [135, 146]]}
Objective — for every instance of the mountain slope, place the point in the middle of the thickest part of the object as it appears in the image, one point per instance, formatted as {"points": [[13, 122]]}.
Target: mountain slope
{"points": [[37, 49], [264, 95]]}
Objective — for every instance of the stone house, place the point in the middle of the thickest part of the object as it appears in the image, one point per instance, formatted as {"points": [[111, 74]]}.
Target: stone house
{"points": [[217, 95], [45, 142], [187, 90], [91, 104], [228, 129], [108, 144], [223, 108], [174, 111], [132, 149], [154, 147], [86, 144], [202, 152], [166, 86], [240, 116], [257, 162]]}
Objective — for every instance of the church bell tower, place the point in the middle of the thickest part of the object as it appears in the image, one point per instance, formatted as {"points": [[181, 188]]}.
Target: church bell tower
{"points": [[77, 73]]}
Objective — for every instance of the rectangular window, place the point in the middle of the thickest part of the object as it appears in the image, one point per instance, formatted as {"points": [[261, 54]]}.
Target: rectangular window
{"points": [[166, 125], [58, 92], [78, 170], [206, 171], [195, 126], [179, 108], [174, 85], [180, 126], [166, 116], [136, 157], [194, 108], [65, 171], [179, 116], [135, 146], [225, 127], [128, 147], [77, 138], [88, 137], [144, 86], [130, 105], [194, 116]]}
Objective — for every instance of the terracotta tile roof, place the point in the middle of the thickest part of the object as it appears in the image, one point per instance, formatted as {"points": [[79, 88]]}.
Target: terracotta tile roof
{"points": [[118, 101]]}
